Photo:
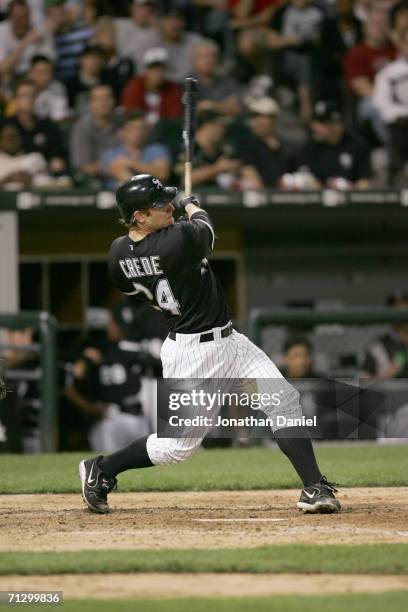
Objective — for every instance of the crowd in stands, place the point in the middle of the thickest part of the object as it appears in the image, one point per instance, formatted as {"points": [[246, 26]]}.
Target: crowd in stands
{"points": [[293, 94]]}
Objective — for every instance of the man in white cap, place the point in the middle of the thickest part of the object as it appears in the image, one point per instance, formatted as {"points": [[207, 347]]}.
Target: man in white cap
{"points": [[151, 92]]}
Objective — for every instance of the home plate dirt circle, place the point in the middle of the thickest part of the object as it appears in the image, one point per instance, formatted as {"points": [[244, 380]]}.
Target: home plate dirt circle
{"points": [[214, 519]]}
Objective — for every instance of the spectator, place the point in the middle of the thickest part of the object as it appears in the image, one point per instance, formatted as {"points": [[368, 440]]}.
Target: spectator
{"points": [[215, 163], [362, 63], [252, 14], [22, 366], [70, 38], [37, 11], [136, 35], [17, 168], [19, 43], [94, 132], [300, 30], [88, 75], [291, 39], [116, 70], [37, 135], [210, 19], [339, 33], [151, 92], [332, 156], [134, 155], [398, 18], [391, 100], [88, 12], [250, 21], [215, 92], [362, 8], [297, 361], [51, 101], [105, 387], [387, 357], [179, 44], [117, 8], [264, 152]]}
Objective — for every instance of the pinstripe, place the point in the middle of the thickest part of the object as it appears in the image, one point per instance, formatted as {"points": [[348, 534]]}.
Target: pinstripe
{"points": [[234, 357]]}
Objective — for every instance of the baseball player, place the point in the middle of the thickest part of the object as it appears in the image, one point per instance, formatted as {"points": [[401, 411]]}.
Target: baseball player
{"points": [[164, 263]]}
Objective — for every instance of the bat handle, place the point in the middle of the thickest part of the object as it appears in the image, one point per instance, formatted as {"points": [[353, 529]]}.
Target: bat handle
{"points": [[187, 178]]}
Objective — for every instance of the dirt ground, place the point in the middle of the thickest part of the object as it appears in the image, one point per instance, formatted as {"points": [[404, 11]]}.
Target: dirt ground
{"points": [[218, 519], [115, 586]]}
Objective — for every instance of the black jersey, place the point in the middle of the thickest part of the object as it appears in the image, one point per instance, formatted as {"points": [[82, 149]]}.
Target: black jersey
{"points": [[169, 269], [115, 378]]}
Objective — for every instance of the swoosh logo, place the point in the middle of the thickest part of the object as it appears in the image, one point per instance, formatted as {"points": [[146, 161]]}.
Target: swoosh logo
{"points": [[90, 481], [310, 495]]}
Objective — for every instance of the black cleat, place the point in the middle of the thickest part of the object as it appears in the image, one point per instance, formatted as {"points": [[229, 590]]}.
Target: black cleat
{"points": [[95, 485], [319, 498]]}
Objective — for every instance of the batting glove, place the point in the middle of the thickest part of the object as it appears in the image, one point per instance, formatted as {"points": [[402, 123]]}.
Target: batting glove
{"points": [[181, 204]]}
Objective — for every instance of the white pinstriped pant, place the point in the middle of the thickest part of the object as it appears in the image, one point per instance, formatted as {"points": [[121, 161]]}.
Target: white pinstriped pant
{"points": [[233, 357]]}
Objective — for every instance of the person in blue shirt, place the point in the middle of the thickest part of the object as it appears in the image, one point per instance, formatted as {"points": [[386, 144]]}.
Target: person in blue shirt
{"points": [[134, 155]]}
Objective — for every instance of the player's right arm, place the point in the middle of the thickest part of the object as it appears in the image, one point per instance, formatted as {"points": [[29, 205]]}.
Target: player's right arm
{"points": [[191, 209], [199, 232]]}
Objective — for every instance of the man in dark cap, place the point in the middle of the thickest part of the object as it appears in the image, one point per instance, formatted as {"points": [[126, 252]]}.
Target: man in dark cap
{"points": [[215, 161], [334, 157]]}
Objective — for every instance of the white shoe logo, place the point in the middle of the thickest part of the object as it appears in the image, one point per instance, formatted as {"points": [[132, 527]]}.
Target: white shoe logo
{"points": [[91, 480], [311, 495]]}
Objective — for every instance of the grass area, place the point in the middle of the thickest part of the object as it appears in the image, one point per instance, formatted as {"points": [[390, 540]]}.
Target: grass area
{"points": [[216, 469], [392, 602], [293, 558]]}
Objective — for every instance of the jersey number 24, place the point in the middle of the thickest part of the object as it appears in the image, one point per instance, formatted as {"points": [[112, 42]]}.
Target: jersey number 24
{"points": [[164, 296]]}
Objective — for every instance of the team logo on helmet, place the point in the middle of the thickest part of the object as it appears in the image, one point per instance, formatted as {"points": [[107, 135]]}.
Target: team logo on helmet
{"points": [[157, 182]]}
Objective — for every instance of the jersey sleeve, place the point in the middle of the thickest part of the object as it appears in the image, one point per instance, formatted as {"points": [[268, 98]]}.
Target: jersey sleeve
{"points": [[118, 280], [199, 234], [115, 274]]}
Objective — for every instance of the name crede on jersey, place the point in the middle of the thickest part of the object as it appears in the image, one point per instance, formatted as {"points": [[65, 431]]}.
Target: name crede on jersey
{"points": [[136, 267]]}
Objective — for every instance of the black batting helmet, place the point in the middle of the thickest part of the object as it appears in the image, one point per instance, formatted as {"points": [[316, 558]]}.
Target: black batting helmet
{"points": [[141, 192]]}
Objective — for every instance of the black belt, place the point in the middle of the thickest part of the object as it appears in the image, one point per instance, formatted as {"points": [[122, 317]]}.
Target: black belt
{"points": [[207, 336]]}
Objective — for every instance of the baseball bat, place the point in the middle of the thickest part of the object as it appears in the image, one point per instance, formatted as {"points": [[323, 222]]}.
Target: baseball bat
{"points": [[189, 102]]}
